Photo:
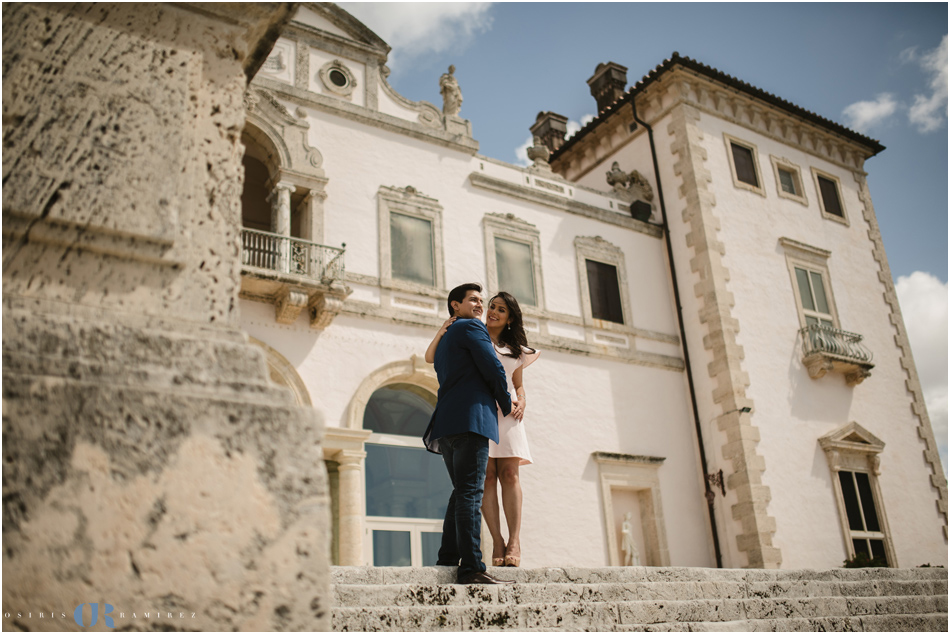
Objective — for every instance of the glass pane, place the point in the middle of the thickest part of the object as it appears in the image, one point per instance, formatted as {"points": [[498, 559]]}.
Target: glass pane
{"points": [[405, 482], [821, 300], [431, 542], [829, 196], [877, 549], [850, 500], [400, 409], [860, 546], [787, 179], [604, 292], [391, 548], [515, 272], [804, 289], [745, 167], [411, 243], [867, 502]]}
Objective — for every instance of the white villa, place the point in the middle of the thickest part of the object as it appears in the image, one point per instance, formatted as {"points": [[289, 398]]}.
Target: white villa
{"points": [[723, 354]]}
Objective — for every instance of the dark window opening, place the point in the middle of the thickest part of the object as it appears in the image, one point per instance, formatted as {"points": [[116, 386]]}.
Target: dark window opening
{"points": [[745, 165], [829, 196], [604, 292]]}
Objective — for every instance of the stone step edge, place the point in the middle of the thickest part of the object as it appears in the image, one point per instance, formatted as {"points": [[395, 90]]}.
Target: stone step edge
{"points": [[847, 605], [456, 619], [877, 622], [441, 575], [711, 590]]}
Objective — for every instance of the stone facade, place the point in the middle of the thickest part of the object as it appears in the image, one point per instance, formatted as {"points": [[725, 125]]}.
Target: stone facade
{"points": [[617, 386], [149, 463]]}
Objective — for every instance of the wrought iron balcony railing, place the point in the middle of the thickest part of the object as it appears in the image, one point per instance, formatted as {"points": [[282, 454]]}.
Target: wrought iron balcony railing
{"points": [[829, 349], [820, 338], [284, 254]]}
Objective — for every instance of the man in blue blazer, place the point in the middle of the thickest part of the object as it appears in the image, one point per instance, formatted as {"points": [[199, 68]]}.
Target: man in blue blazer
{"points": [[471, 381]]}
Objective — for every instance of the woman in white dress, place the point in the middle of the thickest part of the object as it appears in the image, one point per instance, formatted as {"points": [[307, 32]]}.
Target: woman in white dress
{"points": [[506, 328]]}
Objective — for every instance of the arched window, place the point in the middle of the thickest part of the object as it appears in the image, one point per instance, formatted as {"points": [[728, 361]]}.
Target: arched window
{"points": [[407, 488]]}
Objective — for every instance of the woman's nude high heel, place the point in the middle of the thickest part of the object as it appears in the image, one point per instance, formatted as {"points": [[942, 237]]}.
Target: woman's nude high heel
{"points": [[512, 561]]}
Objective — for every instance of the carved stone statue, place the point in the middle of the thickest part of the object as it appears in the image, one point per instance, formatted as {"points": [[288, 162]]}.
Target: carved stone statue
{"points": [[632, 186], [539, 153], [451, 93], [617, 178], [631, 556]]}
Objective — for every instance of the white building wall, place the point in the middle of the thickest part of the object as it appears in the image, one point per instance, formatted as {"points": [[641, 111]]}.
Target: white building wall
{"points": [[578, 404], [792, 410]]}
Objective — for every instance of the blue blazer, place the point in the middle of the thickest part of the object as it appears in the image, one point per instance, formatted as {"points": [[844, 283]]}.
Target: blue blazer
{"points": [[471, 381]]}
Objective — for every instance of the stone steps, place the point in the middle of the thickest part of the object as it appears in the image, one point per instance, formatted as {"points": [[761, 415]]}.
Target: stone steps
{"points": [[641, 599]]}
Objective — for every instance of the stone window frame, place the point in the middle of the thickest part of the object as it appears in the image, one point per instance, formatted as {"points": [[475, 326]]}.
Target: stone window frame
{"points": [[638, 474], [788, 166], [811, 259], [843, 218], [410, 202], [853, 448], [341, 91], [600, 250], [510, 227], [729, 140]]}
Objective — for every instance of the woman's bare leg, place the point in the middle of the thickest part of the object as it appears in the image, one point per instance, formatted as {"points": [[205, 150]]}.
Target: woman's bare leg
{"points": [[508, 472], [490, 510]]}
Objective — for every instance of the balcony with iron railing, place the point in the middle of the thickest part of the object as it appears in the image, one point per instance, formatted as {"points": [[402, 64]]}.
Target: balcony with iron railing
{"points": [[827, 349], [292, 273]]}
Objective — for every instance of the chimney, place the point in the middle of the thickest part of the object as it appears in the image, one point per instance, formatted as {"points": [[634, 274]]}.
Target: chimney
{"points": [[550, 127], [607, 84]]}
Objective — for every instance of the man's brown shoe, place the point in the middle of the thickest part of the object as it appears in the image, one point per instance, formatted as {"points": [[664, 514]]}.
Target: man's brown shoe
{"points": [[479, 577]]}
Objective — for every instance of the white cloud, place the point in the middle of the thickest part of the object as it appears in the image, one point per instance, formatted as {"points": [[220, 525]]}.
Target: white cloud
{"points": [[573, 127], [928, 112], [415, 29], [521, 152], [865, 114], [908, 55], [923, 300]]}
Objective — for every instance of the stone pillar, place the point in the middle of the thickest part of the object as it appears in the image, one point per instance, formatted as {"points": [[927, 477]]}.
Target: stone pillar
{"points": [[280, 221], [148, 461], [311, 215], [351, 506]]}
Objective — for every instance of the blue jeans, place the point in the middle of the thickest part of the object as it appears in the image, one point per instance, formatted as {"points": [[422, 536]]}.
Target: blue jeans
{"points": [[466, 458]]}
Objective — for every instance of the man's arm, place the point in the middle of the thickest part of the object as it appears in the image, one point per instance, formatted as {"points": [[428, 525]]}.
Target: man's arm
{"points": [[478, 343]]}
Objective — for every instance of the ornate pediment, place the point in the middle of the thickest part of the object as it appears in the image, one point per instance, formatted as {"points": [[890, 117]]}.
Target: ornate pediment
{"points": [[853, 448], [850, 435]]}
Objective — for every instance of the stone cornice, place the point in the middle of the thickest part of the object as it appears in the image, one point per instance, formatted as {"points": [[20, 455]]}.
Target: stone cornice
{"points": [[684, 86], [368, 117], [514, 190]]}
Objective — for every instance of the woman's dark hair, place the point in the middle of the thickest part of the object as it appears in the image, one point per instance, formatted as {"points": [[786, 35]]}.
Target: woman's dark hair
{"points": [[513, 334]]}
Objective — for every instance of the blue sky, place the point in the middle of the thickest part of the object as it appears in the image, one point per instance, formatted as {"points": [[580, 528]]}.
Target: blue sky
{"points": [[878, 68]]}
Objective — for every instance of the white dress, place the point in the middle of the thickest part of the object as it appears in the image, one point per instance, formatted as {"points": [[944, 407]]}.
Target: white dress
{"points": [[512, 439]]}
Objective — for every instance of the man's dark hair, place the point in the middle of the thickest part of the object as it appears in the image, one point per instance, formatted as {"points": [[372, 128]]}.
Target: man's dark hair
{"points": [[458, 294]]}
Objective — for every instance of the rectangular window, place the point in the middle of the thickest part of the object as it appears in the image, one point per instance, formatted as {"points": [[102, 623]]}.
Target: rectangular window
{"points": [[744, 162], [866, 535], [516, 270], [604, 292], [787, 179], [811, 290], [411, 243], [829, 196]]}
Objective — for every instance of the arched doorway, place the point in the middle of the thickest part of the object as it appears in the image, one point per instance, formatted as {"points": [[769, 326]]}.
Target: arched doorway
{"points": [[407, 488]]}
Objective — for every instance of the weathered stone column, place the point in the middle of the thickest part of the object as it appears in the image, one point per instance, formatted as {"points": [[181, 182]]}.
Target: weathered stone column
{"points": [[351, 506], [280, 220], [148, 461]]}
